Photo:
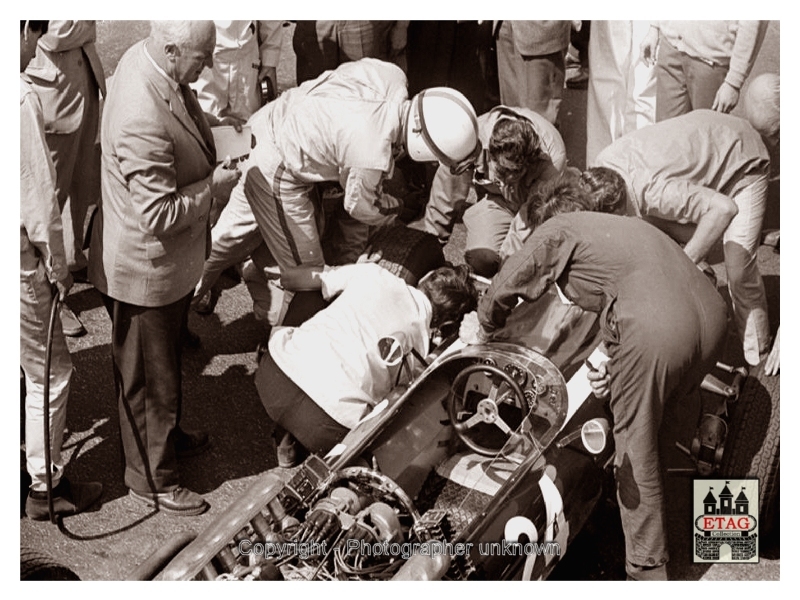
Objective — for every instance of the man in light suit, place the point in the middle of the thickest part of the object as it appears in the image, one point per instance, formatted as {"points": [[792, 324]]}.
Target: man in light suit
{"points": [[149, 244], [68, 77]]}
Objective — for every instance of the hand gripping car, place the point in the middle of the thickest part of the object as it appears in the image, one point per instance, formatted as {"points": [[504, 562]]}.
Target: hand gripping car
{"points": [[484, 467]]}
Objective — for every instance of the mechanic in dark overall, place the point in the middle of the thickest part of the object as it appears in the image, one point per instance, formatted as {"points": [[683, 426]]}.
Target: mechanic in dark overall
{"points": [[663, 325]]}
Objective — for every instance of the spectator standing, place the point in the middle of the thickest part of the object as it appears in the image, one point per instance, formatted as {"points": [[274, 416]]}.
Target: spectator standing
{"points": [[149, 244], [68, 77], [701, 64], [43, 266]]}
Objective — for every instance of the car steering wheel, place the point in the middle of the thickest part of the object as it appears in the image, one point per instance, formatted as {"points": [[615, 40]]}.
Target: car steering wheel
{"points": [[487, 409]]}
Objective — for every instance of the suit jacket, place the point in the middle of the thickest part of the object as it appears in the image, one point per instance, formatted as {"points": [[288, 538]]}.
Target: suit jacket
{"points": [[59, 73], [150, 240], [537, 38]]}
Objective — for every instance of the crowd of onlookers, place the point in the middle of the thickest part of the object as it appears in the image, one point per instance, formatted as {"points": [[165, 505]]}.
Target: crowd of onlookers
{"points": [[199, 163]]}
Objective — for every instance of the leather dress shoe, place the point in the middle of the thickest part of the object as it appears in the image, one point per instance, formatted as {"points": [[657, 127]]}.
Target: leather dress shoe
{"points": [[70, 323], [180, 501], [68, 499], [190, 443]]}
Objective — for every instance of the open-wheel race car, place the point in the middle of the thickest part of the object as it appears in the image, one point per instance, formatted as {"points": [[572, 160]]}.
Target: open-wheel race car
{"points": [[485, 466]]}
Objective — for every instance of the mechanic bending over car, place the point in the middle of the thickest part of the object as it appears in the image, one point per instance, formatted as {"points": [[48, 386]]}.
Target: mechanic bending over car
{"points": [[521, 150], [317, 380], [703, 177], [662, 322]]}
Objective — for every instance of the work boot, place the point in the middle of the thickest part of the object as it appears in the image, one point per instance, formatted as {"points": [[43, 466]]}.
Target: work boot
{"points": [[68, 499]]}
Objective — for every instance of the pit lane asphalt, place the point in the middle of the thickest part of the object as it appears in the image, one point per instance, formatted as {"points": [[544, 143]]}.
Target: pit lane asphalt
{"points": [[219, 396]]}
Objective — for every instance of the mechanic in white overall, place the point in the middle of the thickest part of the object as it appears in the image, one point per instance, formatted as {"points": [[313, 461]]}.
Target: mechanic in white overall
{"points": [[347, 126]]}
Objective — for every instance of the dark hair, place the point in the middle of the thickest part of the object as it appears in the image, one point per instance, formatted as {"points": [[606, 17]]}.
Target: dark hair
{"points": [[608, 189], [452, 294], [513, 146], [39, 26], [560, 195]]}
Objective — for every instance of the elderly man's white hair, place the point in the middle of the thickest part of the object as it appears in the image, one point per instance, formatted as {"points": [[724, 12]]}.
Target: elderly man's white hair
{"points": [[182, 33]]}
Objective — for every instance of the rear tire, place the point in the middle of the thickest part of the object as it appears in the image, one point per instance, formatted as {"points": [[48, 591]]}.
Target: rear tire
{"points": [[753, 448], [35, 566]]}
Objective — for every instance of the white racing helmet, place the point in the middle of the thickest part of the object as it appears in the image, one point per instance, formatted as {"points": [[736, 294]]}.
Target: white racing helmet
{"points": [[442, 126]]}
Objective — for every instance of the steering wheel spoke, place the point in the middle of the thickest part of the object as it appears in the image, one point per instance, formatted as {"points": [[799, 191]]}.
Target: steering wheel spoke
{"points": [[503, 390]]}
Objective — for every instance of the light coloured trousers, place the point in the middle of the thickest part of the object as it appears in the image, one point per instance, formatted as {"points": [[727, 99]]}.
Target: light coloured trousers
{"points": [[36, 299]]}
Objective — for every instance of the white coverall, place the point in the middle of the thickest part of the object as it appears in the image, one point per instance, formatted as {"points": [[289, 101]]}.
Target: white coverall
{"points": [[344, 126]]}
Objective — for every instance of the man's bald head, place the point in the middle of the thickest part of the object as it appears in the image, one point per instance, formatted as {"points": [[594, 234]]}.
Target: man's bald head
{"points": [[762, 104]]}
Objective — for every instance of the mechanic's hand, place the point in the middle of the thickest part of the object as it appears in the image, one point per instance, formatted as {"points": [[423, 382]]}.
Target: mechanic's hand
{"points": [[649, 47], [726, 99], [600, 381], [389, 205], [470, 331], [63, 286], [773, 364], [223, 180]]}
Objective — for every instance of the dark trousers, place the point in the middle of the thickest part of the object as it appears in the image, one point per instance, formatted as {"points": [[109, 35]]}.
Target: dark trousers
{"points": [[294, 411], [146, 352]]}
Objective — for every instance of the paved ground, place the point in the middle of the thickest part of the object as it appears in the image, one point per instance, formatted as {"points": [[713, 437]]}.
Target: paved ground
{"points": [[110, 542]]}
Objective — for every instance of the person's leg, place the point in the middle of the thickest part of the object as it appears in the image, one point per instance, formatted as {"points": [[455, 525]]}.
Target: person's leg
{"points": [[308, 50], [146, 351], [35, 304], [702, 82], [658, 345], [609, 53], [643, 90], [748, 296], [543, 84], [487, 224], [84, 186], [283, 208], [672, 95], [292, 409], [233, 239], [509, 67]]}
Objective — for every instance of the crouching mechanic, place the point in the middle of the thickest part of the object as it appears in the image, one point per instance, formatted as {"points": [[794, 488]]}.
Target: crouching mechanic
{"points": [[347, 126], [663, 325], [319, 379], [704, 176], [521, 150]]}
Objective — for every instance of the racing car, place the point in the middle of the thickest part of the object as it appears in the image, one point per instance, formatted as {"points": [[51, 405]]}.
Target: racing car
{"points": [[485, 463], [484, 466]]}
